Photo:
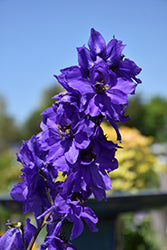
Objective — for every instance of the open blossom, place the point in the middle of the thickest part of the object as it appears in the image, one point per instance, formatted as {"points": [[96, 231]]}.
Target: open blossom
{"points": [[103, 78], [111, 54], [55, 239], [102, 93], [71, 209], [89, 172], [32, 190], [65, 133]]}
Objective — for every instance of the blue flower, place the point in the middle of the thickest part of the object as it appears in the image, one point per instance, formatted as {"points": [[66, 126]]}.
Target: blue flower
{"points": [[13, 237], [89, 173], [36, 175], [65, 133], [103, 79], [71, 209], [110, 53]]}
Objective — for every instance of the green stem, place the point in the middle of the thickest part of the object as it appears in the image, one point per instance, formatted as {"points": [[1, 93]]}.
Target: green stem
{"points": [[22, 234], [43, 223]]}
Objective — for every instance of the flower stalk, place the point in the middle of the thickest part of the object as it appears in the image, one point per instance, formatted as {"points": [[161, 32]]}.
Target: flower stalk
{"points": [[72, 142]]}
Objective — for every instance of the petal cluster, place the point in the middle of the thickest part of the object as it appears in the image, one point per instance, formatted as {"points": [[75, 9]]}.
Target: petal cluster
{"points": [[72, 142], [104, 77]]}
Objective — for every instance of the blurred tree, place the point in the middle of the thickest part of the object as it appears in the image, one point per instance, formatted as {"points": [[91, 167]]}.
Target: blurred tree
{"points": [[47, 96], [9, 132], [149, 118], [136, 111], [155, 119], [9, 169], [32, 124]]}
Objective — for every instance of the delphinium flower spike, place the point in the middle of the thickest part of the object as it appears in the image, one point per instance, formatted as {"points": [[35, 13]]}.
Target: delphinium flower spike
{"points": [[72, 142]]}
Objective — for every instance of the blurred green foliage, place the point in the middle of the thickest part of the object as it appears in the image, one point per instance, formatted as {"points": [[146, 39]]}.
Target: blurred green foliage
{"points": [[32, 125], [155, 120], [138, 233], [9, 170], [9, 132], [150, 118]]}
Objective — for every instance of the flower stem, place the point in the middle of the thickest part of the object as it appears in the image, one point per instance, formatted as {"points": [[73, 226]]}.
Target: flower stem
{"points": [[43, 223], [22, 234]]}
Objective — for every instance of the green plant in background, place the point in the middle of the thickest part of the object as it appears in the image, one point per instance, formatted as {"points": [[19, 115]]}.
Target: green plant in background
{"points": [[149, 117], [9, 172], [9, 132], [156, 118], [32, 124], [138, 233], [9, 169], [138, 167]]}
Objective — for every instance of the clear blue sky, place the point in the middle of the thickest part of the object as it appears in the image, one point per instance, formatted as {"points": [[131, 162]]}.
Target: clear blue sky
{"points": [[39, 37]]}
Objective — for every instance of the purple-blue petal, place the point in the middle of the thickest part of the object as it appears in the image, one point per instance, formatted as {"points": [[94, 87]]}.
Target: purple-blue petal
{"points": [[19, 192], [77, 228], [72, 154], [96, 43]]}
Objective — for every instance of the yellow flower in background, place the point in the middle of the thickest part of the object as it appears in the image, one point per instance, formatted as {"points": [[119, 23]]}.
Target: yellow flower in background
{"points": [[138, 167]]}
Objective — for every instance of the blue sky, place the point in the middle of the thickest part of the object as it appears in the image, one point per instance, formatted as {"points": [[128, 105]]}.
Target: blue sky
{"points": [[39, 37]]}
